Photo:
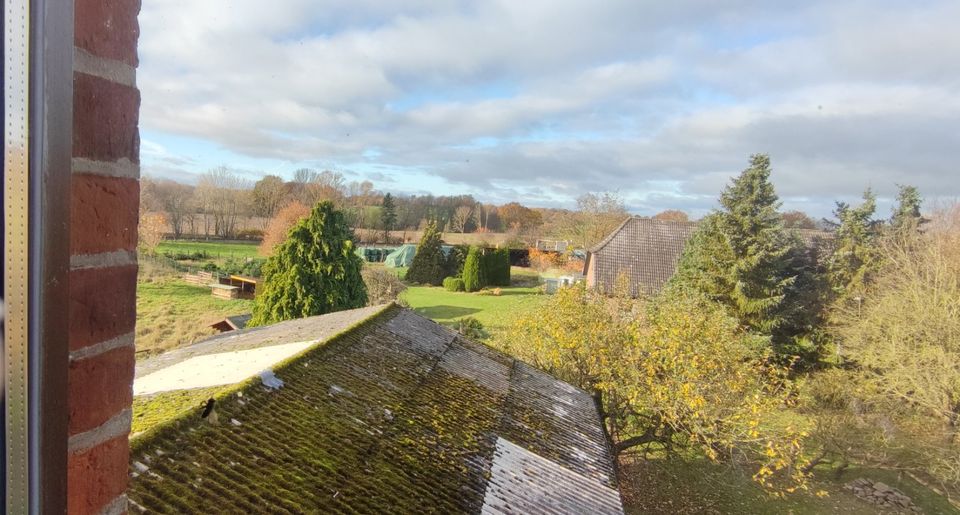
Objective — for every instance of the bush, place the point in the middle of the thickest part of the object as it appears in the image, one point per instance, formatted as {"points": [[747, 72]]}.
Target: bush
{"points": [[250, 234], [455, 260], [251, 267], [471, 328], [382, 286], [497, 264], [428, 263], [453, 284], [473, 272]]}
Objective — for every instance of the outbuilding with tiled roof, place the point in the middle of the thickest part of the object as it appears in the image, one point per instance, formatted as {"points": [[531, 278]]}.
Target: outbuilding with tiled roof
{"points": [[645, 250]]}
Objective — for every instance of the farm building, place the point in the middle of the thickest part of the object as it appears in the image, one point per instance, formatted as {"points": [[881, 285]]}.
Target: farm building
{"points": [[382, 410], [232, 323], [643, 249]]}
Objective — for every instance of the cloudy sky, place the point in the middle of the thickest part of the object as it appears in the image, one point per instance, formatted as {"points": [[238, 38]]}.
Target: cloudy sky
{"points": [[540, 101]]}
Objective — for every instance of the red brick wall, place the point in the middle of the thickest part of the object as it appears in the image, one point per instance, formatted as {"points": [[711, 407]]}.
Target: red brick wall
{"points": [[103, 266]]}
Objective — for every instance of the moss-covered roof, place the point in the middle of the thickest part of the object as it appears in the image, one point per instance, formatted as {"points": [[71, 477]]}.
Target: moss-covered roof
{"points": [[396, 415]]}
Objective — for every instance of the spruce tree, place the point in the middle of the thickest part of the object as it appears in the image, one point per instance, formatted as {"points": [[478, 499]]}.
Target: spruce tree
{"points": [[906, 214], [314, 271], [740, 253], [428, 263], [855, 245]]}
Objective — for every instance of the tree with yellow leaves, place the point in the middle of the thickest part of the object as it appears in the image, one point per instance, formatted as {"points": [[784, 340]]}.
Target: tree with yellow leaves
{"points": [[674, 372]]}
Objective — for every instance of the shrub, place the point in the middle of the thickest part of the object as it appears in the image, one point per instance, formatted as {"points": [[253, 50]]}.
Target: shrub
{"points": [[250, 234], [497, 264], [471, 328], [315, 271], [453, 284], [473, 272], [428, 263], [455, 260], [382, 286]]}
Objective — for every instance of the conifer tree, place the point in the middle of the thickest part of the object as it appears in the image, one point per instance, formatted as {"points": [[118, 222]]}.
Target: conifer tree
{"points": [[388, 215], [428, 262], [906, 214], [740, 253], [855, 249], [314, 271], [473, 271]]}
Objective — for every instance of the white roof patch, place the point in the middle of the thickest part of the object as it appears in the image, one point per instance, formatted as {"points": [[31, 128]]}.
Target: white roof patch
{"points": [[523, 482], [217, 369]]}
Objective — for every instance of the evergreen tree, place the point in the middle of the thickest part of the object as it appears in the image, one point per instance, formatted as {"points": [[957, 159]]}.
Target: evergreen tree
{"points": [[497, 266], [740, 253], [388, 216], [428, 263], [473, 271], [906, 214], [855, 249], [314, 271]]}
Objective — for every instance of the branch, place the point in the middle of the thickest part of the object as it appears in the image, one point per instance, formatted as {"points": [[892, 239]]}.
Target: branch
{"points": [[649, 436]]}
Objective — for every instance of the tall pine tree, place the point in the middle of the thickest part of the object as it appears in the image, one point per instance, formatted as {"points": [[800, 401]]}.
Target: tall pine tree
{"points": [[314, 271], [428, 263], [906, 214], [739, 255], [388, 216]]}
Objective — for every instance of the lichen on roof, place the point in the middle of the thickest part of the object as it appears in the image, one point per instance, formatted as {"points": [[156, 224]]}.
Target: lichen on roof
{"points": [[397, 415]]}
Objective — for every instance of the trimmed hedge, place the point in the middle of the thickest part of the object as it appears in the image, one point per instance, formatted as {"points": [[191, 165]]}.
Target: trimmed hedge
{"points": [[497, 264], [453, 284]]}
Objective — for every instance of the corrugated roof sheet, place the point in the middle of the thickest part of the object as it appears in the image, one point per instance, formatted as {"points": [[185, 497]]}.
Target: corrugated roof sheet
{"points": [[645, 249], [399, 415]]}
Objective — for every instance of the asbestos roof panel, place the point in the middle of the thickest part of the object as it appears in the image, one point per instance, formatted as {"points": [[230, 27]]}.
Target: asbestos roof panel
{"points": [[398, 415], [523, 482]]}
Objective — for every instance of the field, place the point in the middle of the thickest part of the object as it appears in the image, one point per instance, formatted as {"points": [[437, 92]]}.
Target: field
{"points": [[216, 250], [171, 313]]}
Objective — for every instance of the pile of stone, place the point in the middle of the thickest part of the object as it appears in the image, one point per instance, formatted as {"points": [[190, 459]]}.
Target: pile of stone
{"points": [[882, 495]]}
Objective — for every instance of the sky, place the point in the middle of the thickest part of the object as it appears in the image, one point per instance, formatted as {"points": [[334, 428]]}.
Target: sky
{"points": [[541, 101]]}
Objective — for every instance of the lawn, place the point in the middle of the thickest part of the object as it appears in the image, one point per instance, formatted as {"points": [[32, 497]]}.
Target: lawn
{"points": [[171, 313], [217, 250], [698, 486], [494, 312]]}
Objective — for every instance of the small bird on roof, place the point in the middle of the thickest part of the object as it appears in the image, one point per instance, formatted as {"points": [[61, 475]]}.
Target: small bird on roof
{"points": [[208, 413]]}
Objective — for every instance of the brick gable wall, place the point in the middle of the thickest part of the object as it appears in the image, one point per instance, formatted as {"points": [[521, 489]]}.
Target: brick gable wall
{"points": [[105, 194]]}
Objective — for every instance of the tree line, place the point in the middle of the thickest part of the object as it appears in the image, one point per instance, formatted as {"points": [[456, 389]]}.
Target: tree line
{"points": [[223, 204]]}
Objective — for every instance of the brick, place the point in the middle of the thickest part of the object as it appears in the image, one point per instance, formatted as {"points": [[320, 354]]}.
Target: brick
{"points": [[97, 476], [99, 388], [103, 214], [105, 118], [102, 304], [108, 28]]}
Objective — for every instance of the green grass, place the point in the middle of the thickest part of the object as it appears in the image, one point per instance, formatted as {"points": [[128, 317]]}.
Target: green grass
{"points": [[171, 313], [216, 249], [494, 312], [698, 486]]}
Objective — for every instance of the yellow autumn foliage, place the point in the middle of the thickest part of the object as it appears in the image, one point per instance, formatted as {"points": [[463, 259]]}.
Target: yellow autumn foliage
{"points": [[672, 372]]}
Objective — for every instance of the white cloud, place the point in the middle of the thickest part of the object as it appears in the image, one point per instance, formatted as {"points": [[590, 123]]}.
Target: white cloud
{"points": [[554, 98]]}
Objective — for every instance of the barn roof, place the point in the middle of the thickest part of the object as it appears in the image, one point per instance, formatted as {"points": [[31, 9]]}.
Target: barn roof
{"points": [[380, 410], [645, 249]]}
